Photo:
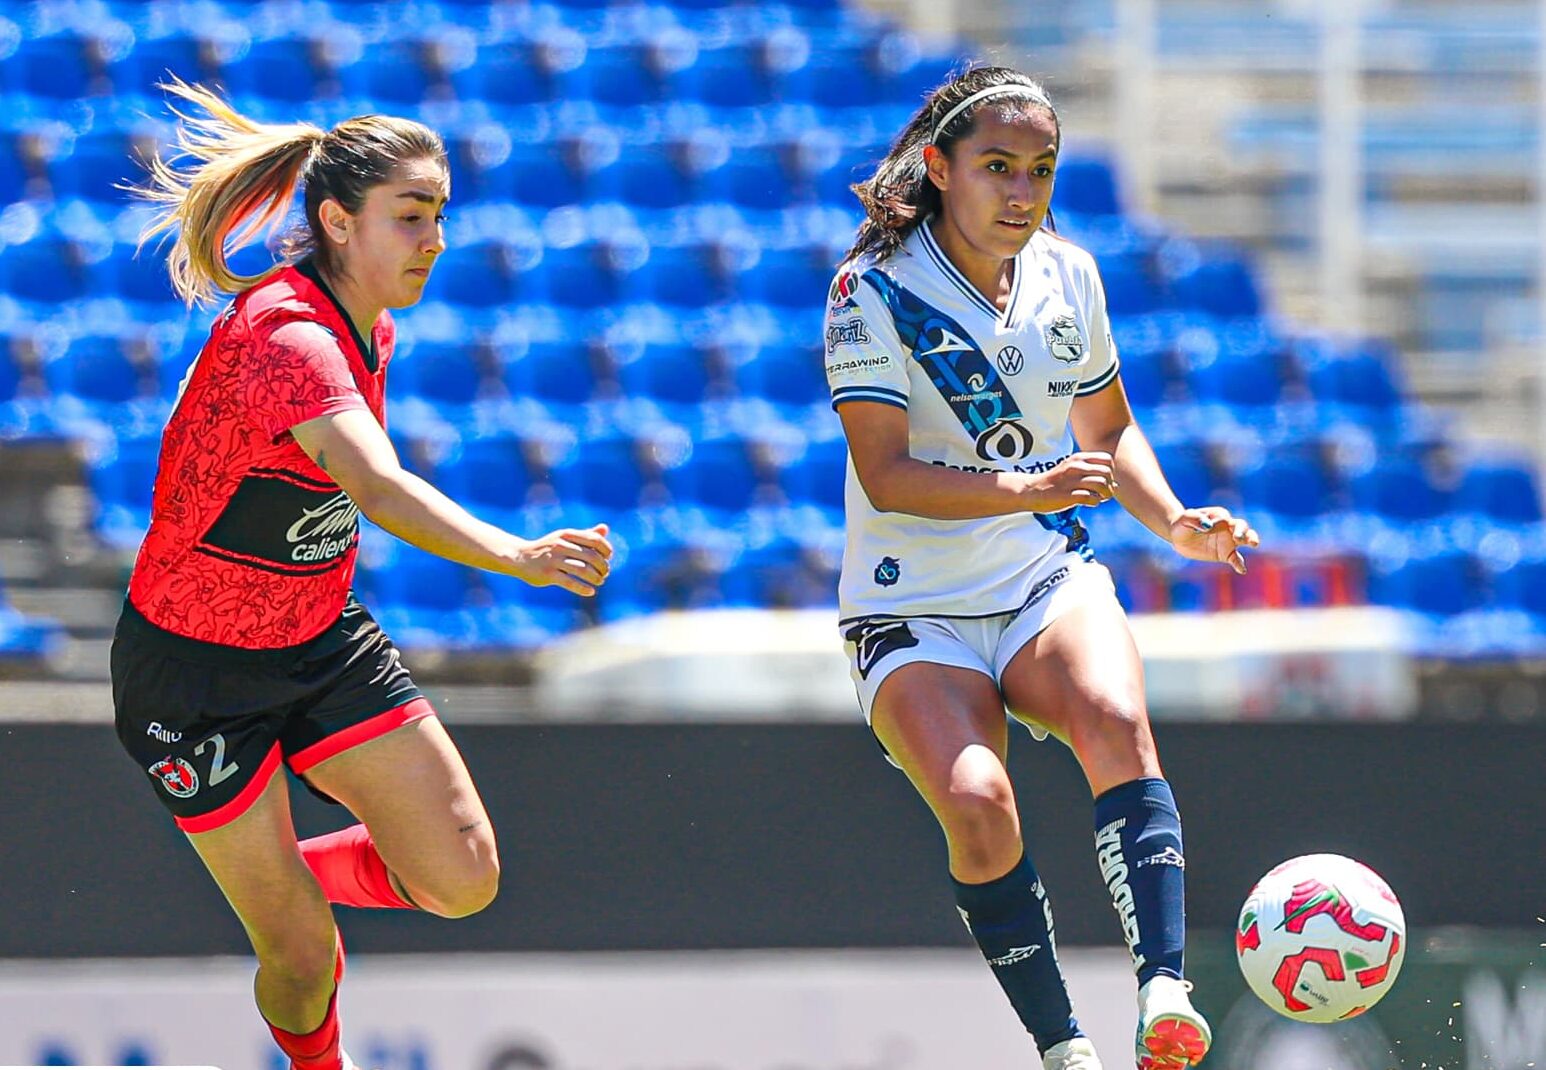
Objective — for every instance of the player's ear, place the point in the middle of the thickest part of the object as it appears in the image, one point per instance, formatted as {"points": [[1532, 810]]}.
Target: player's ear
{"points": [[937, 164], [336, 220]]}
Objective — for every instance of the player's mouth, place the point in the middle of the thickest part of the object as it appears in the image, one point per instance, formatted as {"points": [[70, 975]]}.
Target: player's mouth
{"points": [[419, 272], [1019, 226]]}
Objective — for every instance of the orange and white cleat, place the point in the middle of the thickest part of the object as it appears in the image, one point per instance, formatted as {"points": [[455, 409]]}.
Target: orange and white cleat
{"points": [[1171, 1034]]}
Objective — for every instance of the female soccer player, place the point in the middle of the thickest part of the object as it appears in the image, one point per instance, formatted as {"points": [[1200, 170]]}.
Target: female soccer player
{"points": [[240, 646], [968, 351]]}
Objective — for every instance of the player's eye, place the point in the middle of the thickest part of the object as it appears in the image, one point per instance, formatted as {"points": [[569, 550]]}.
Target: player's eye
{"points": [[411, 218], [997, 166], [1043, 170]]}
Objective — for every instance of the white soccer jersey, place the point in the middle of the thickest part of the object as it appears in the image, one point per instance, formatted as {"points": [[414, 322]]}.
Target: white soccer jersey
{"points": [[984, 391]]}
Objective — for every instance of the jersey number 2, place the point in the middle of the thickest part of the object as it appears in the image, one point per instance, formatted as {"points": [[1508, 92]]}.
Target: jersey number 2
{"points": [[218, 770]]}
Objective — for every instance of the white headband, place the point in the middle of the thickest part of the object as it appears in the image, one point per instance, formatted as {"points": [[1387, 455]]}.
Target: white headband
{"points": [[983, 94]]}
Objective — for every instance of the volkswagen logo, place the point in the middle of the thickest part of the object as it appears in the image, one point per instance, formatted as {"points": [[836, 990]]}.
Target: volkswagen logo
{"points": [[1010, 360]]}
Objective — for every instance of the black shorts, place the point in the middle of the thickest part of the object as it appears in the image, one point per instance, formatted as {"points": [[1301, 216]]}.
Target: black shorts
{"points": [[210, 724]]}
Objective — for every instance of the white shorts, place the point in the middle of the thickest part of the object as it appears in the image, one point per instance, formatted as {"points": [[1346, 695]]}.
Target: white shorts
{"points": [[880, 646]]}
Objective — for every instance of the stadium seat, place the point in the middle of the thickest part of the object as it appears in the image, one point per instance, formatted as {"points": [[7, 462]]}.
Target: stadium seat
{"points": [[785, 375], [126, 476], [1362, 378], [1503, 491], [1221, 286], [487, 474], [96, 370], [279, 68], [504, 75], [1523, 586], [1294, 488], [646, 176], [49, 270], [674, 373], [1398, 489], [817, 478], [552, 372], [1187, 471], [99, 164], [718, 474], [601, 474], [733, 76], [794, 277], [419, 580], [478, 274], [1443, 584], [445, 373], [154, 59], [1085, 185], [687, 276], [393, 72], [1131, 286], [58, 66]]}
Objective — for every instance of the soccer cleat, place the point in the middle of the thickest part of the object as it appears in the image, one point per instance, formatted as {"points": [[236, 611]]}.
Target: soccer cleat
{"points": [[1076, 1054], [1171, 1034]]}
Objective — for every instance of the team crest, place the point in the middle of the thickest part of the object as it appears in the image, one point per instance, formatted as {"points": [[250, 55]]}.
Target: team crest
{"points": [[841, 295], [1064, 341], [176, 776]]}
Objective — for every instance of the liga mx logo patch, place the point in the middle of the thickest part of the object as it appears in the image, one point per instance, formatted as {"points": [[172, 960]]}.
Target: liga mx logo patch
{"points": [[177, 777], [1064, 341], [841, 295]]}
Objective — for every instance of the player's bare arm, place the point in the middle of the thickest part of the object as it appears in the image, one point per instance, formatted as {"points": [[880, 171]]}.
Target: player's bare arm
{"points": [[1104, 421], [356, 453]]}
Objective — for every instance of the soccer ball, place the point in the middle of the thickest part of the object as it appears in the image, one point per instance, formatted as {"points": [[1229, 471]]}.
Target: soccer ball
{"points": [[1321, 938]]}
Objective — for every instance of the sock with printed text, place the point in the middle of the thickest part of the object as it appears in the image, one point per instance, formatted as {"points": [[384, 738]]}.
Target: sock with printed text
{"points": [[1011, 921], [1138, 847], [350, 870]]}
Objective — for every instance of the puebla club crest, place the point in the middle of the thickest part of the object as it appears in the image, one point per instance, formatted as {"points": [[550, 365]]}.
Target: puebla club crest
{"points": [[1064, 341]]}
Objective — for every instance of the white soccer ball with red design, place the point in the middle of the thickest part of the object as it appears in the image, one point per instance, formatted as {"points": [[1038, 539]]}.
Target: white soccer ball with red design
{"points": [[1321, 938]]}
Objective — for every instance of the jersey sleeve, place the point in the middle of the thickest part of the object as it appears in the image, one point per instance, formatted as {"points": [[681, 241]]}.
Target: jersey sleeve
{"points": [[866, 360], [296, 372], [1100, 371]]}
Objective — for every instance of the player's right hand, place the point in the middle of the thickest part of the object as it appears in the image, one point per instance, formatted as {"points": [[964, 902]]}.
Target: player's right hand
{"points": [[576, 559], [1079, 479]]}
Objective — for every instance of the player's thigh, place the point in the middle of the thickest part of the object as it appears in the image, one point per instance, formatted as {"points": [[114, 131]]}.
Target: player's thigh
{"points": [[1081, 676], [413, 791], [255, 861], [945, 727]]}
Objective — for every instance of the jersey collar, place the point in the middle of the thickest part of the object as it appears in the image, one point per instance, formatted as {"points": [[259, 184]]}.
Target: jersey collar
{"points": [[367, 352], [970, 292]]}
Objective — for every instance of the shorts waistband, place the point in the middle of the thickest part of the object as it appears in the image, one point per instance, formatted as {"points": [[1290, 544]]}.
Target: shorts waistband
{"points": [[132, 624]]}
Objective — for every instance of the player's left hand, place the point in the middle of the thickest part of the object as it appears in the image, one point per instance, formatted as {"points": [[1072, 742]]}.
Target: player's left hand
{"points": [[1212, 534]]}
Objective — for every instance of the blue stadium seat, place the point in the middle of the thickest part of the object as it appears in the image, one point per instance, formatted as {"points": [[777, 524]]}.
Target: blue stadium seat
{"points": [[96, 370], [1362, 378], [1444, 583], [1222, 286], [153, 59], [552, 372], [1523, 586], [48, 270], [141, 275], [10, 372], [101, 162], [672, 373], [687, 276], [505, 74], [279, 68], [57, 66], [1399, 490], [646, 176], [1131, 286], [1086, 185], [539, 176], [420, 580], [126, 477], [1293, 487], [445, 373], [392, 72], [601, 474], [732, 76], [795, 277], [754, 177], [785, 375], [1145, 376], [477, 274], [840, 81], [592, 275], [717, 475], [1189, 475], [487, 474], [817, 478], [619, 76], [1504, 491], [1239, 379]]}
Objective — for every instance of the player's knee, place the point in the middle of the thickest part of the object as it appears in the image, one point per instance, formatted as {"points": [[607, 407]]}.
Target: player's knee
{"points": [[304, 960], [979, 815], [471, 888]]}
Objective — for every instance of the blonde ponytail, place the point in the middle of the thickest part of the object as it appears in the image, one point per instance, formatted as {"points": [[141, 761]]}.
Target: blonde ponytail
{"points": [[241, 183]]}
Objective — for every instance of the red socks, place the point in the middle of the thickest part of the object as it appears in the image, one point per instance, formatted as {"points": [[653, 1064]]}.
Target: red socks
{"points": [[350, 870], [318, 1049]]}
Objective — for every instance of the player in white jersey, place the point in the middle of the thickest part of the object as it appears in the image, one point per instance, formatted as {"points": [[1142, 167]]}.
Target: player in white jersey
{"points": [[972, 365]]}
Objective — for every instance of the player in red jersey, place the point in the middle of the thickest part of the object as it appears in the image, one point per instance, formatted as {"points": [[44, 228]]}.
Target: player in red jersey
{"points": [[240, 646]]}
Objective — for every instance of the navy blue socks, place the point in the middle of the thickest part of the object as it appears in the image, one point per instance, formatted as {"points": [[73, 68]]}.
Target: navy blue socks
{"points": [[1012, 922], [1138, 847]]}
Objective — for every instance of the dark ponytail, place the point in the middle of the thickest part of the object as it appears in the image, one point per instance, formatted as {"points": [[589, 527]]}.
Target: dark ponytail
{"points": [[899, 195]]}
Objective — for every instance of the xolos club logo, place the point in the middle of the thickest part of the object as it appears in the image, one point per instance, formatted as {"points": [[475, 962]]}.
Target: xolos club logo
{"points": [[176, 776]]}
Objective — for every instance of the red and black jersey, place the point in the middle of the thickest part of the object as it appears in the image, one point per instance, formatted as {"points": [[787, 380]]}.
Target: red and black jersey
{"points": [[251, 544]]}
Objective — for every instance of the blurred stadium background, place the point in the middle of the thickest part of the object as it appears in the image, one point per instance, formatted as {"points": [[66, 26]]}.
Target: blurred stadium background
{"points": [[1320, 224]]}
